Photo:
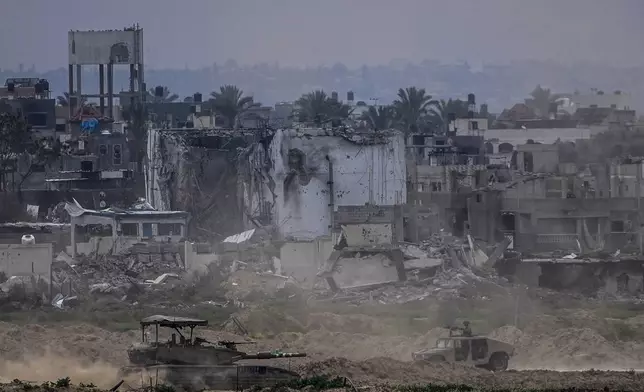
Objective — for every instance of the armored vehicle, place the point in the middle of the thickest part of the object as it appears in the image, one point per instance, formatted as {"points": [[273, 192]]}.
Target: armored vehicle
{"points": [[479, 351], [193, 363]]}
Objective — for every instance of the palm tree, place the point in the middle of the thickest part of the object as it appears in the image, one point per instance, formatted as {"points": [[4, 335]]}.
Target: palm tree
{"points": [[381, 117], [540, 100], [167, 96], [412, 104], [230, 103], [317, 107], [440, 110], [63, 100]]}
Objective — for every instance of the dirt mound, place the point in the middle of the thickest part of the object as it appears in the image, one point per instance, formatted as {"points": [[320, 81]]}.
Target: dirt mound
{"points": [[384, 370], [508, 334], [571, 349], [355, 346], [381, 369]]}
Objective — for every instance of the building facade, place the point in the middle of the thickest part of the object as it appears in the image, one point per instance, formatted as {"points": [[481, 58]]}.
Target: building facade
{"points": [[297, 178]]}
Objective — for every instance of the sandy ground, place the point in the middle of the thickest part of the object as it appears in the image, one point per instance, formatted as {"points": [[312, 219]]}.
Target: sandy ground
{"points": [[90, 354], [361, 347]]}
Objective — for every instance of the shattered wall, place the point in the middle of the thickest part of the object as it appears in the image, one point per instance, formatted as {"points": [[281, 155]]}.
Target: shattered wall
{"points": [[286, 179], [302, 260], [196, 172]]}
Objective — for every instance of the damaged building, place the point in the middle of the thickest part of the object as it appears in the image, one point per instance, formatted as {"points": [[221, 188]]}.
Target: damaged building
{"points": [[195, 171], [296, 179], [567, 224], [574, 225], [442, 171], [111, 231], [311, 184]]}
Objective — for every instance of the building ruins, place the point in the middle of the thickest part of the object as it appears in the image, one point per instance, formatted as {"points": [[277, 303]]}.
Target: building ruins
{"points": [[196, 171], [298, 178], [311, 184]]}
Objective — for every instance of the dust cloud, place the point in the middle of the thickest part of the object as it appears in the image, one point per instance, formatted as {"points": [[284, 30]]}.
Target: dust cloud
{"points": [[51, 367]]}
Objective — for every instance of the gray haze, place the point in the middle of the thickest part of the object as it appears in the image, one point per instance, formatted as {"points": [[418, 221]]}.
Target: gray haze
{"points": [[196, 33]]}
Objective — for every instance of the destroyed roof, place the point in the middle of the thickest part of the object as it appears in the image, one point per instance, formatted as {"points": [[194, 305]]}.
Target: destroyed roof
{"points": [[76, 210], [349, 134], [172, 321]]}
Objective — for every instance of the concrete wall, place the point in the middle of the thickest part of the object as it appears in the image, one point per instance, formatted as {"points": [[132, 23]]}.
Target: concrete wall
{"points": [[370, 224], [302, 260], [17, 260], [440, 179], [364, 172], [484, 214], [626, 179], [118, 243], [187, 170], [364, 270], [368, 234], [516, 137], [104, 245], [99, 245], [197, 261], [544, 158], [463, 125]]}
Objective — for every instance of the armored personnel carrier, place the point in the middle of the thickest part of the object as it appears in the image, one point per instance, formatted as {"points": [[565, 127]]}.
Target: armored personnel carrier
{"points": [[478, 351], [193, 363]]}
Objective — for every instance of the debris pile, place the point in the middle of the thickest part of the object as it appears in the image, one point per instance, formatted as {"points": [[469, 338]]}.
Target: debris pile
{"points": [[117, 275], [441, 267], [143, 264]]}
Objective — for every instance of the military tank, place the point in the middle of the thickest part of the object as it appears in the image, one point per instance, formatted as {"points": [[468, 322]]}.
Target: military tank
{"points": [[193, 363]]}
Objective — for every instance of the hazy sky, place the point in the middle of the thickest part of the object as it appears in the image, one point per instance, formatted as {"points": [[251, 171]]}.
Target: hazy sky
{"points": [[195, 33]]}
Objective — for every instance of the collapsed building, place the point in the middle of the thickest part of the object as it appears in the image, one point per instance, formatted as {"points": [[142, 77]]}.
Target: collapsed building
{"points": [[575, 226], [569, 225], [195, 171], [312, 184], [297, 178]]}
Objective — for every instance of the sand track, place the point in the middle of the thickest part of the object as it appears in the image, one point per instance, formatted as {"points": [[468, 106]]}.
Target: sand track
{"points": [[335, 346]]}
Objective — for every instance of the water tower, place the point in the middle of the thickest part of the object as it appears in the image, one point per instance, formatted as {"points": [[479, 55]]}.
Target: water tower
{"points": [[106, 49]]}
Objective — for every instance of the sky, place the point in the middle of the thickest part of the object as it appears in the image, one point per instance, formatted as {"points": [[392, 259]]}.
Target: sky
{"points": [[197, 33]]}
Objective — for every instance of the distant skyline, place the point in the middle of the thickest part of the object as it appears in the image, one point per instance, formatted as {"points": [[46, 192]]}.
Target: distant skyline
{"points": [[197, 33]]}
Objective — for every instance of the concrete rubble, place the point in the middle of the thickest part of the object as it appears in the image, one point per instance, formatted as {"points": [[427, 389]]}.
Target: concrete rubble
{"points": [[118, 275], [248, 269], [441, 267]]}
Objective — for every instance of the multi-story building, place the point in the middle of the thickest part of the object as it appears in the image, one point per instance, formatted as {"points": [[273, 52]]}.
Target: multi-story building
{"points": [[30, 98], [96, 164], [550, 205], [441, 171], [598, 99]]}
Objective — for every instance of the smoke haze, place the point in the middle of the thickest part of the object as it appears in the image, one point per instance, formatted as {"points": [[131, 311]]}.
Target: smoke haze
{"points": [[196, 33]]}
